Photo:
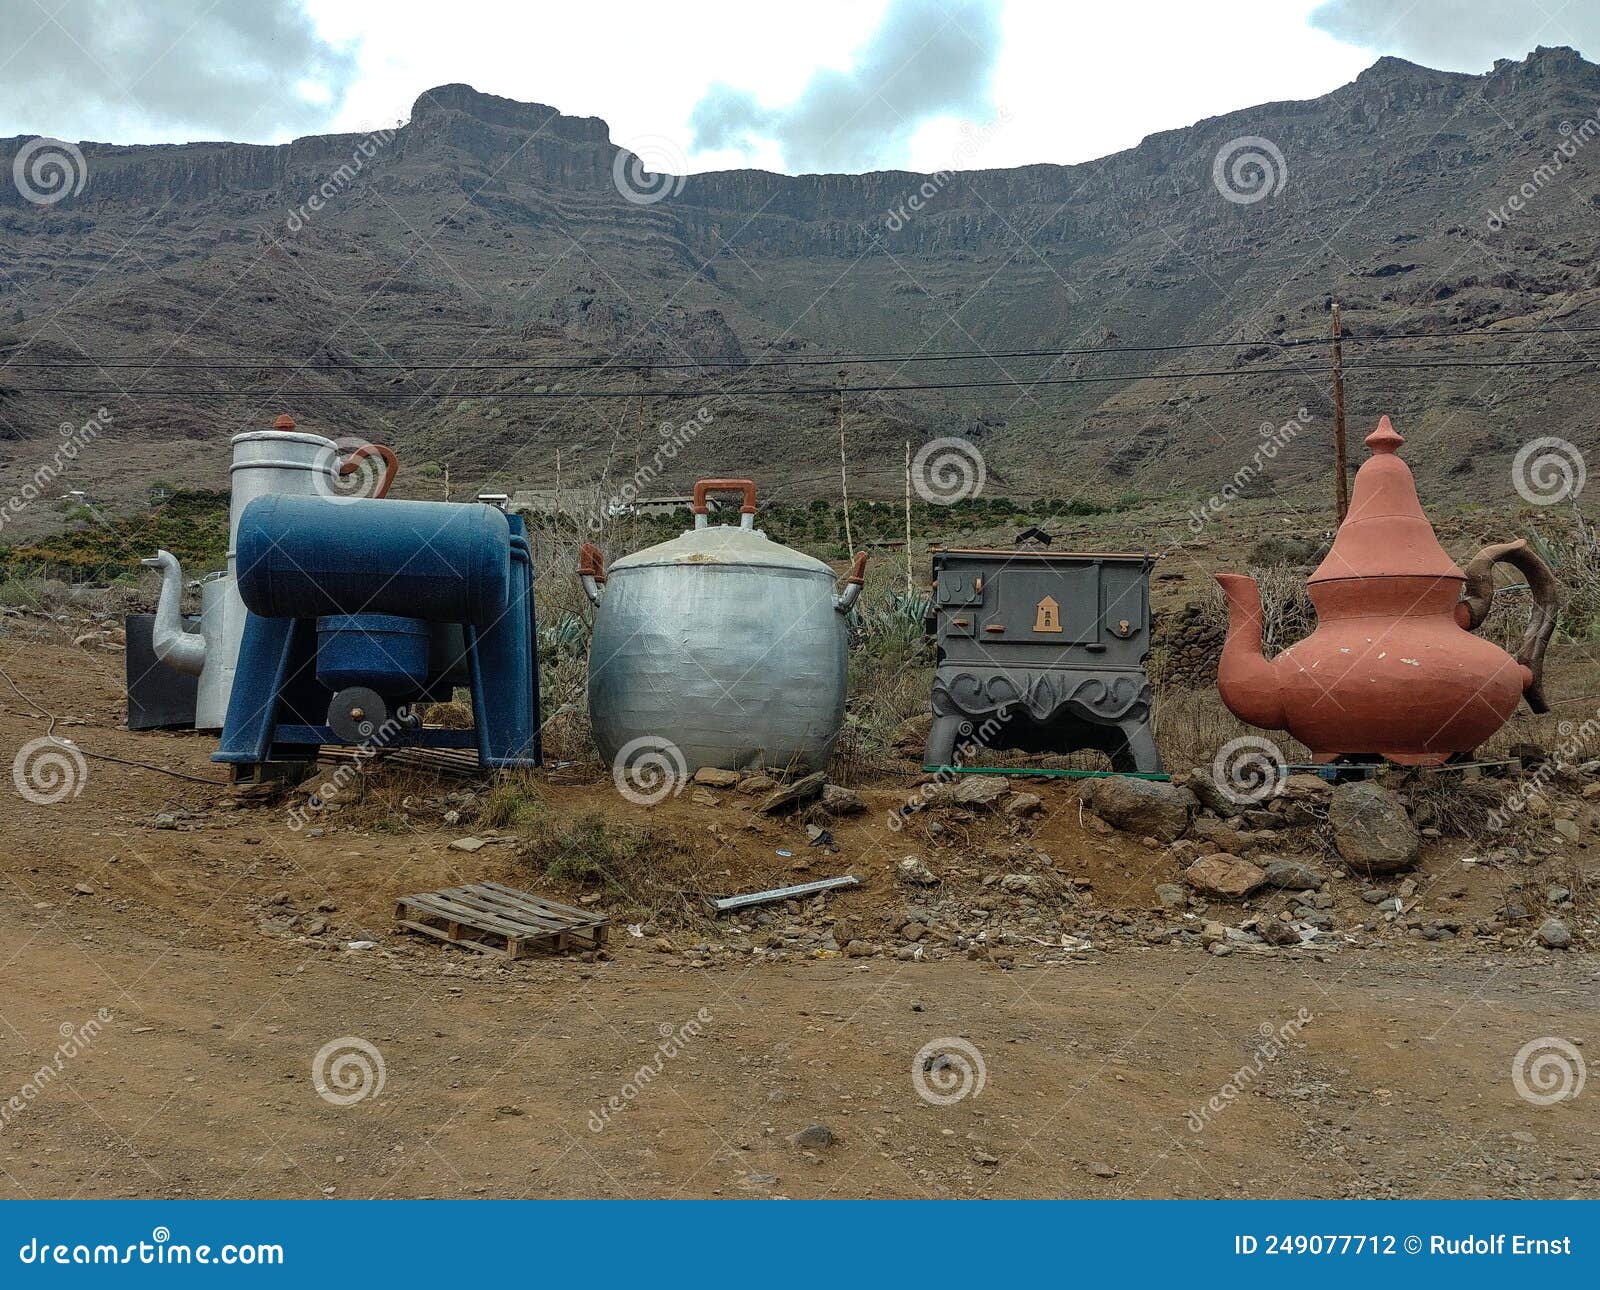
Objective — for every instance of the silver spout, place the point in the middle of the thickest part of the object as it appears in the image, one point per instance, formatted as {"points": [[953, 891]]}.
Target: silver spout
{"points": [[179, 649]]}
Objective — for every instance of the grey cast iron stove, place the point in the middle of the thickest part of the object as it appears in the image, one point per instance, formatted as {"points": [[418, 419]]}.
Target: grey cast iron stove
{"points": [[1044, 652]]}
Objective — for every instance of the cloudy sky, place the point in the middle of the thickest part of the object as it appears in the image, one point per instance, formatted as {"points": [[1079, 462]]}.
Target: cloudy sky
{"points": [[705, 84]]}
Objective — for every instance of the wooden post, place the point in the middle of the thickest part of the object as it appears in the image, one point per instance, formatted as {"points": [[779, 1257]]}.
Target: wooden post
{"points": [[844, 481], [910, 584], [1341, 476]]}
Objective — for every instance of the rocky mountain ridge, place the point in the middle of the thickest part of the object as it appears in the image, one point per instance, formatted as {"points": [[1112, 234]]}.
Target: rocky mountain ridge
{"points": [[486, 231]]}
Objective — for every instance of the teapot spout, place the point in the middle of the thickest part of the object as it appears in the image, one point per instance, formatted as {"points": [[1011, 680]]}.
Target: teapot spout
{"points": [[181, 650], [1246, 678]]}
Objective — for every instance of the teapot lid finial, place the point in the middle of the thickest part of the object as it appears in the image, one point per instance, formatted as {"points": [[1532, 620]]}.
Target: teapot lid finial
{"points": [[1385, 534], [1385, 438]]}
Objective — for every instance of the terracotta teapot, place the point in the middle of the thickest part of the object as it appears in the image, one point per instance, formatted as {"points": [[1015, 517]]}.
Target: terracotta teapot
{"points": [[1393, 667]]}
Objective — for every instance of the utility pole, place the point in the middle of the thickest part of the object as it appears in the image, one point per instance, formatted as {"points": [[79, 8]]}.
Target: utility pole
{"points": [[910, 585], [1341, 478], [844, 479]]}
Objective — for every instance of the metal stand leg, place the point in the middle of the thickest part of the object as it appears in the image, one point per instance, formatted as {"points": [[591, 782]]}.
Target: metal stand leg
{"points": [[1138, 752], [941, 741]]}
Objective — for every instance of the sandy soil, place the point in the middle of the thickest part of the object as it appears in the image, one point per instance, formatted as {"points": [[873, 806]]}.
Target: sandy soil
{"points": [[149, 898]]}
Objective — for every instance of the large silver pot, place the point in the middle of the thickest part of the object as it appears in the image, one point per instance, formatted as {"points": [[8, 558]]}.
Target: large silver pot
{"points": [[719, 648]]}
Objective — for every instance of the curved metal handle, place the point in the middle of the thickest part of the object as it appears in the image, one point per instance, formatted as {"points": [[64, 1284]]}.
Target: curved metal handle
{"points": [[1478, 598], [854, 581], [591, 571], [391, 465], [745, 486]]}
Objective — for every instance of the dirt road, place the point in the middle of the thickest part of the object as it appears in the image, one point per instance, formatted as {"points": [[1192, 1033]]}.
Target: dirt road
{"points": [[1399, 1083]]}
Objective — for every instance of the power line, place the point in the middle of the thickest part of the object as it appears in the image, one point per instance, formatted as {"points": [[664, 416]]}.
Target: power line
{"points": [[741, 362], [798, 390]]}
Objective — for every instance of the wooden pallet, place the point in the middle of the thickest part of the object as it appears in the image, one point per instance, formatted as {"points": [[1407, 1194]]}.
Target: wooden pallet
{"points": [[494, 919]]}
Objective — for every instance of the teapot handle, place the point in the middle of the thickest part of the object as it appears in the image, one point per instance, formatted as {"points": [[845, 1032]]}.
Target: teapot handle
{"points": [[1478, 597], [385, 454], [592, 571], [747, 512]]}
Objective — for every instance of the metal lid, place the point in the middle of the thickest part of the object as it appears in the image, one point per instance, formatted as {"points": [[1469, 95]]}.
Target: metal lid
{"points": [[724, 544], [1385, 534]]}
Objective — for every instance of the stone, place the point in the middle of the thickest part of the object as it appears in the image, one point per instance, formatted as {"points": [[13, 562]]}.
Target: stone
{"points": [[468, 845], [1209, 794], [838, 800], [1022, 805], [1171, 895], [814, 1137], [1143, 806], [1225, 835], [1224, 877], [1568, 829], [83, 889], [1303, 786], [1274, 931], [1027, 884], [1553, 934], [715, 777], [1371, 828], [911, 869], [757, 783], [702, 797], [802, 790], [973, 791], [1294, 875]]}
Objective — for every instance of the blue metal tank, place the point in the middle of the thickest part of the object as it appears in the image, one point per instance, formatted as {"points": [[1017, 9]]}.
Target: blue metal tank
{"points": [[359, 610], [307, 557]]}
